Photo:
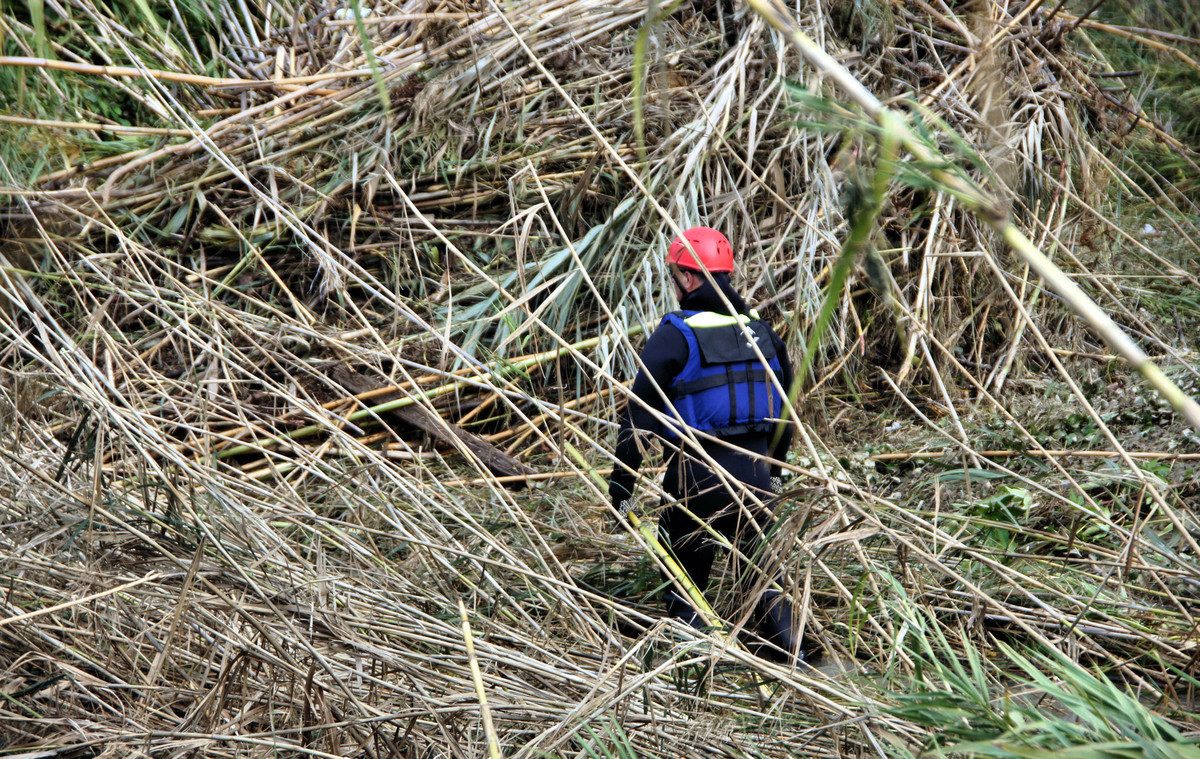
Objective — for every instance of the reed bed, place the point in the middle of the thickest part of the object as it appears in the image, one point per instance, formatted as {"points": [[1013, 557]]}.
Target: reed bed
{"points": [[295, 297]]}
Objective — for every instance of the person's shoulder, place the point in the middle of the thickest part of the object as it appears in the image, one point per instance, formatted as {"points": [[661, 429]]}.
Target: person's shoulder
{"points": [[674, 319], [670, 329]]}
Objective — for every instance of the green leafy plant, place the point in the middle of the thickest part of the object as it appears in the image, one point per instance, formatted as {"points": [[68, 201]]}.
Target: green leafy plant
{"points": [[1001, 515]]}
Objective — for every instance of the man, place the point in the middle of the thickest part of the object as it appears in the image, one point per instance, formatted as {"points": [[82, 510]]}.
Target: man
{"points": [[720, 392]]}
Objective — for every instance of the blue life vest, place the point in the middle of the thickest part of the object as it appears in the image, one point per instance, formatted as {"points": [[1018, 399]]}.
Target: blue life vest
{"points": [[724, 388]]}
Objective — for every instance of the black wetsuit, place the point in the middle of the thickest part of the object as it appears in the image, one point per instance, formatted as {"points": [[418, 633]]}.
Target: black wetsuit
{"points": [[688, 478]]}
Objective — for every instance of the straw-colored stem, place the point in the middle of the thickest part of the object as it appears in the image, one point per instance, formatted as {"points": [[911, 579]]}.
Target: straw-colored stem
{"points": [[173, 76], [1046, 453], [485, 713]]}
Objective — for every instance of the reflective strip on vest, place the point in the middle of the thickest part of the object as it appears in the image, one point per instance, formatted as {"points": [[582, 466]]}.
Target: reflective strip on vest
{"points": [[704, 319]]}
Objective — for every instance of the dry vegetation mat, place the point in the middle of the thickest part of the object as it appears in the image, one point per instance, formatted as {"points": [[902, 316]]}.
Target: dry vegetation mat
{"points": [[303, 306]]}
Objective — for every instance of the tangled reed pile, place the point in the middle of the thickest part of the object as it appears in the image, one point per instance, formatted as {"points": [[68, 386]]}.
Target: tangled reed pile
{"points": [[295, 294]]}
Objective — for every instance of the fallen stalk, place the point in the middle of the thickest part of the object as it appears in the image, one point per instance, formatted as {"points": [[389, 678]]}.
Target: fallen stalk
{"points": [[485, 712], [370, 413], [80, 601], [677, 572], [88, 126], [175, 76], [535, 477], [525, 429], [999, 454]]}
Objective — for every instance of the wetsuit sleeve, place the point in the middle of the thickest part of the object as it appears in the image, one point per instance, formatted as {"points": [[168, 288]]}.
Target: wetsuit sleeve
{"points": [[664, 356], [784, 444]]}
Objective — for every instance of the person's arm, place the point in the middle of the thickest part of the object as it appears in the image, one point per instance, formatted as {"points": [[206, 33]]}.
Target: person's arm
{"points": [[784, 443], [663, 358]]}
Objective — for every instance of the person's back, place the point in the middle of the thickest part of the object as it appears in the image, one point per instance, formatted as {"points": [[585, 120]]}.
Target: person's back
{"points": [[725, 400]]}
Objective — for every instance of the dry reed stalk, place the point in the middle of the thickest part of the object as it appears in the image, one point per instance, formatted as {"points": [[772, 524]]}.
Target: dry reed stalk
{"points": [[477, 679], [1165, 455]]}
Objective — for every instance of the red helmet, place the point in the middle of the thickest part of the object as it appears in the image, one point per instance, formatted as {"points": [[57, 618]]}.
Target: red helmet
{"points": [[711, 246]]}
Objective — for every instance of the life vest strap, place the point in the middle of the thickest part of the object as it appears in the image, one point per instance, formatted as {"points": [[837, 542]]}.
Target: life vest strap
{"points": [[756, 374]]}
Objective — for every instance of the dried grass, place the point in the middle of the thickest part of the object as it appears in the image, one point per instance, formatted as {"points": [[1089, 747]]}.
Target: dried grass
{"points": [[211, 546]]}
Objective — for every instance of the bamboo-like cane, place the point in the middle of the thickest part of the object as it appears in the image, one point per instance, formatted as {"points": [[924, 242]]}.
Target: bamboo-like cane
{"points": [[975, 198], [485, 713]]}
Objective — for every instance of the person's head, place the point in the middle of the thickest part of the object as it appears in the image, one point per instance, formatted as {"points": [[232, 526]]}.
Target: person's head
{"points": [[708, 247]]}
